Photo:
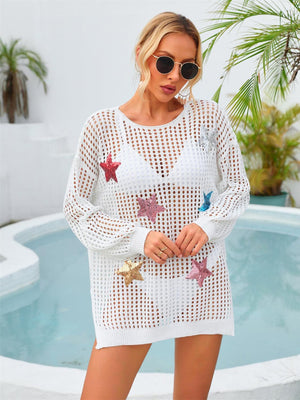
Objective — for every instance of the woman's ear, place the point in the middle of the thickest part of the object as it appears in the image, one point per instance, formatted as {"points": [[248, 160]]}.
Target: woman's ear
{"points": [[137, 52]]}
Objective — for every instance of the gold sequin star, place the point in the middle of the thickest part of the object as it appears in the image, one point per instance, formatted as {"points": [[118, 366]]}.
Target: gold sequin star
{"points": [[130, 270]]}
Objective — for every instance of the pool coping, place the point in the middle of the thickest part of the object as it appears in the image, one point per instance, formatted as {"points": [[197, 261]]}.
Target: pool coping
{"points": [[19, 267], [252, 381]]}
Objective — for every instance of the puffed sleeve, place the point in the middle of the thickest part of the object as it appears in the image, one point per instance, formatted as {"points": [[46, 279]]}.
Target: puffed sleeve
{"points": [[233, 187], [96, 230]]}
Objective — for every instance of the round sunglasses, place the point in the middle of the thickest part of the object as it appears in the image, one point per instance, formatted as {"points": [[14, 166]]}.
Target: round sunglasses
{"points": [[165, 64]]}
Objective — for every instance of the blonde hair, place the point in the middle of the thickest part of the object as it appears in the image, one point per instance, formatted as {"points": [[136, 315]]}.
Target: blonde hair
{"points": [[150, 37]]}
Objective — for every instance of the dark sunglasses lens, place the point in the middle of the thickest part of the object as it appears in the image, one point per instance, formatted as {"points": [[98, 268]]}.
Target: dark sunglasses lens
{"points": [[164, 65], [189, 70]]}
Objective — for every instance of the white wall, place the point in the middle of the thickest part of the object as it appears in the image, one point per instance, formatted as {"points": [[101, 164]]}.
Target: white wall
{"points": [[88, 48]]}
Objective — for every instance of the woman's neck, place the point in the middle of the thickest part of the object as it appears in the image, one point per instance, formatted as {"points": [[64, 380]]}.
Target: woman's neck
{"points": [[147, 110]]}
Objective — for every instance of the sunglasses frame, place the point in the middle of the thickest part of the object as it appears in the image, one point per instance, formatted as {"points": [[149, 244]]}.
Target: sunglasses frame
{"points": [[175, 62]]}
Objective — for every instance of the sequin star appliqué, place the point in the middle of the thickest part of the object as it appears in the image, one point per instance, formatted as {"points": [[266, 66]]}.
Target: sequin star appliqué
{"points": [[130, 271], [149, 208], [208, 138], [199, 271], [206, 203], [110, 168]]}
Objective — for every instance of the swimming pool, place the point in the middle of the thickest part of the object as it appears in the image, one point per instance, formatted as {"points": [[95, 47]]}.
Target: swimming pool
{"points": [[48, 331]]}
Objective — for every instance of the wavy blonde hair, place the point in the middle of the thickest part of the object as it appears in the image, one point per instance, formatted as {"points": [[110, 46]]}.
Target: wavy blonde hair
{"points": [[150, 37]]}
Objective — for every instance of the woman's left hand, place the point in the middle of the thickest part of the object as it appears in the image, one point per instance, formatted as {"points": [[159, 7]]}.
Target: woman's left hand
{"points": [[191, 239]]}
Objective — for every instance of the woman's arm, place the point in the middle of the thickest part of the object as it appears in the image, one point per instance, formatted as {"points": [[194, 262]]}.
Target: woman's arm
{"points": [[96, 230], [218, 220]]}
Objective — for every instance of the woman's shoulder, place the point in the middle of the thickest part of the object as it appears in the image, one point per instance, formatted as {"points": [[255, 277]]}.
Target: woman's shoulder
{"points": [[102, 115], [102, 119], [205, 105], [208, 107]]}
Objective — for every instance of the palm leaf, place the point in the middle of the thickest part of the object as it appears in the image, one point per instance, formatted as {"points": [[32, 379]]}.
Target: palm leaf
{"points": [[226, 3], [248, 97], [216, 96], [295, 3], [273, 49]]}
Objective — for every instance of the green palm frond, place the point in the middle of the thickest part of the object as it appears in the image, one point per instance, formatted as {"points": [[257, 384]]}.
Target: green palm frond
{"points": [[226, 3], [217, 94], [247, 98], [35, 64], [235, 15], [274, 47]]}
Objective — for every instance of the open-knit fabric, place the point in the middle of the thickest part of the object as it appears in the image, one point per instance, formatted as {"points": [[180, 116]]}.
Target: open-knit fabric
{"points": [[191, 167]]}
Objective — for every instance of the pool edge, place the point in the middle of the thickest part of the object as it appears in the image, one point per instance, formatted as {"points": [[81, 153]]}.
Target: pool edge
{"points": [[254, 380]]}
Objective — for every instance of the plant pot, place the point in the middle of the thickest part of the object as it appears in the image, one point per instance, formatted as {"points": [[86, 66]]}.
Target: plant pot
{"points": [[278, 200]]}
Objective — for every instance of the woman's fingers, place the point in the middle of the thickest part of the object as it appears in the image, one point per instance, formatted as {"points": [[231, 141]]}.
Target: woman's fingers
{"points": [[159, 247], [189, 242], [191, 239], [184, 239], [157, 259], [198, 246], [172, 247], [196, 250]]}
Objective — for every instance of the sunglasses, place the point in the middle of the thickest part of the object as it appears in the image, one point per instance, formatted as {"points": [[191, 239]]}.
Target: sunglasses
{"points": [[165, 64]]}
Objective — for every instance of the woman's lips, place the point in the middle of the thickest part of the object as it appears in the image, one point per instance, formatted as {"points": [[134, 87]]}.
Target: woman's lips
{"points": [[168, 89]]}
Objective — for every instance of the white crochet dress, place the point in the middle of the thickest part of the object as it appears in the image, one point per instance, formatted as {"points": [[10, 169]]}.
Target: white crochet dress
{"points": [[192, 168]]}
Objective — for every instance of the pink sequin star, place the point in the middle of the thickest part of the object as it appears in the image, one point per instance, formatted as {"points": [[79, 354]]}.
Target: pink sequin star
{"points": [[149, 208], [110, 168], [199, 271]]}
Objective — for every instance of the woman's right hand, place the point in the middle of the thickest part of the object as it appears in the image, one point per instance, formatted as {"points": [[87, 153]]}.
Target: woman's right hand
{"points": [[159, 247]]}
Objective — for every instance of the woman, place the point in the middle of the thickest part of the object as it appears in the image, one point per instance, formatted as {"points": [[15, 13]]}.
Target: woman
{"points": [[155, 187]]}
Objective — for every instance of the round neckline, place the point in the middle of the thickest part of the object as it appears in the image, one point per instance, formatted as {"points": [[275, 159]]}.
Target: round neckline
{"points": [[173, 121]]}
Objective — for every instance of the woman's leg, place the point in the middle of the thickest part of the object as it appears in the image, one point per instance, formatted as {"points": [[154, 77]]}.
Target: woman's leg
{"points": [[111, 371], [195, 361]]}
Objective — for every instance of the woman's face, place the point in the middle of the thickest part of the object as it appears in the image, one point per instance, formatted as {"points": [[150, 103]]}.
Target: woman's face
{"points": [[179, 46]]}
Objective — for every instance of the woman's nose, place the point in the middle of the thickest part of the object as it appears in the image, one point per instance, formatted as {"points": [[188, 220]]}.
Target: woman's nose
{"points": [[175, 73]]}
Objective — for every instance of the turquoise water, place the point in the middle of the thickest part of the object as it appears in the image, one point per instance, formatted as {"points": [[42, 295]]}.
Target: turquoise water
{"points": [[51, 323]]}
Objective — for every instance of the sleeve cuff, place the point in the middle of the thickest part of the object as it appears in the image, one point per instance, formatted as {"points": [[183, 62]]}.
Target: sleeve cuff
{"points": [[138, 240], [207, 225]]}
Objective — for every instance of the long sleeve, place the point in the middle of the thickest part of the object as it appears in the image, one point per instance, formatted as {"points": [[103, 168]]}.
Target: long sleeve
{"points": [[96, 230], [233, 188]]}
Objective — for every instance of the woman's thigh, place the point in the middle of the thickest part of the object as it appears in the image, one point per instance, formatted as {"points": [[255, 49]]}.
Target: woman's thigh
{"points": [[111, 371], [195, 362]]}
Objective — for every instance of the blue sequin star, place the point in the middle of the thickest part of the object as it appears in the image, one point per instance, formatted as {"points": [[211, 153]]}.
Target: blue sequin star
{"points": [[208, 138], [206, 203]]}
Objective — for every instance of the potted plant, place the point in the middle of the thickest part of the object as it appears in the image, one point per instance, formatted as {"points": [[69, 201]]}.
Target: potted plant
{"points": [[17, 137], [14, 96], [269, 146]]}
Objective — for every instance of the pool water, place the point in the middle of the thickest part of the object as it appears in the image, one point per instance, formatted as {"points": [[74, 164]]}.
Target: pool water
{"points": [[51, 322]]}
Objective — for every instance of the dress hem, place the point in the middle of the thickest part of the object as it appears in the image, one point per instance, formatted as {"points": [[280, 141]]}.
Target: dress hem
{"points": [[122, 337]]}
